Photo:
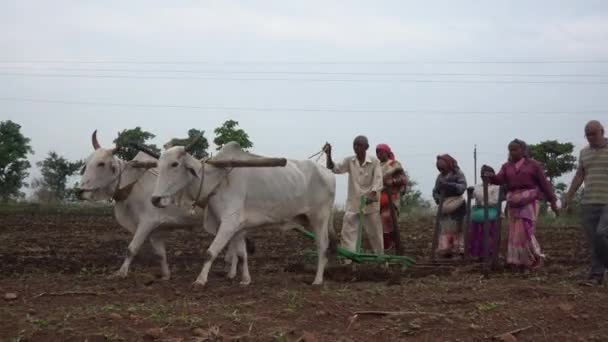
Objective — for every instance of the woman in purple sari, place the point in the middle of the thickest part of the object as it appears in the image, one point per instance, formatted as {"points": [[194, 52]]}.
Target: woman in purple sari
{"points": [[526, 184]]}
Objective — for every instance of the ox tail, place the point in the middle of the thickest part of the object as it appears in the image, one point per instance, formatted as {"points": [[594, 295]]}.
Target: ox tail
{"points": [[250, 246], [333, 237]]}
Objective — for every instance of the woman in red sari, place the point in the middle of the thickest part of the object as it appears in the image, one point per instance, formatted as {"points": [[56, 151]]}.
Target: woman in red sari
{"points": [[526, 184], [395, 182]]}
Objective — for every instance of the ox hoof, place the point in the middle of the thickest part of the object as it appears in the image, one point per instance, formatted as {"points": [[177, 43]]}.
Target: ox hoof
{"points": [[245, 283], [119, 274], [317, 283], [198, 285], [231, 276], [165, 278]]}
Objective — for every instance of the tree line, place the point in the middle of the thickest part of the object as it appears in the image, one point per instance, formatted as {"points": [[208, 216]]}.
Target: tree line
{"points": [[52, 185]]}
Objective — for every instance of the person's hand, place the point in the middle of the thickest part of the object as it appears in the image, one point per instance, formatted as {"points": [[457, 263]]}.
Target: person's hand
{"points": [[371, 197], [566, 202], [444, 187], [487, 172], [327, 148], [388, 180], [555, 209]]}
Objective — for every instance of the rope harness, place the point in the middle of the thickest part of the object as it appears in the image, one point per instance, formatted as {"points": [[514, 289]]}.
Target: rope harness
{"points": [[205, 201]]}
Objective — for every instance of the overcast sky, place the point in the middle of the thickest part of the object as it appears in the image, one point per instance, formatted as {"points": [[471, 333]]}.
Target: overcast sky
{"points": [[426, 77]]}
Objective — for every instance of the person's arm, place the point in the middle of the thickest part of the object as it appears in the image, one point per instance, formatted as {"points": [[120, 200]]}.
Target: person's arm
{"points": [[546, 187], [337, 168], [341, 167], [436, 191], [377, 184], [577, 182], [397, 178], [458, 186], [497, 179]]}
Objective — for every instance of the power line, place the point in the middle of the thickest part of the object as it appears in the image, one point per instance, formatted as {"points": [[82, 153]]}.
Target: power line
{"points": [[304, 79], [245, 72], [278, 62], [300, 109]]}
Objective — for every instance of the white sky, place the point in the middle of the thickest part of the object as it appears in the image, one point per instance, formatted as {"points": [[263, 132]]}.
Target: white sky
{"points": [[220, 60]]}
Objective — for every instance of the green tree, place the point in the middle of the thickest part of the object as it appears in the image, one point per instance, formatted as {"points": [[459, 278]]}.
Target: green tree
{"points": [[55, 171], [135, 136], [199, 149], [14, 148], [229, 132], [412, 198], [556, 157]]}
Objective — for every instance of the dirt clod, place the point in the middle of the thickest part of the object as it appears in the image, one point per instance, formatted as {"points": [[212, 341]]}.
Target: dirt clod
{"points": [[11, 296], [507, 338], [154, 333], [96, 338], [198, 332], [115, 316]]}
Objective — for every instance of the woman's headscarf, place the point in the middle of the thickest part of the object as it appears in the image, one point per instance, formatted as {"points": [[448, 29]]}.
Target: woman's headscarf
{"points": [[451, 163], [387, 149]]}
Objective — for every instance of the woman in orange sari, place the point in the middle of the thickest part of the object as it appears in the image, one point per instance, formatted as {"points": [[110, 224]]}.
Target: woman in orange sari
{"points": [[395, 182]]}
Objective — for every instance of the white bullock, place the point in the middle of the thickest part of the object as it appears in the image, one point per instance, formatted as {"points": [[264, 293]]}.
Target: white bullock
{"points": [[302, 192], [106, 176]]}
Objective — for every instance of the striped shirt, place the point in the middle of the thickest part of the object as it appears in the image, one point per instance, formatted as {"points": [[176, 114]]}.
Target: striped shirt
{"points": [[594, 162]]}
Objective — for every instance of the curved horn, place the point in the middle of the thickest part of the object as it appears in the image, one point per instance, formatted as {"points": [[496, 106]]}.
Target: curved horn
{"points": [[190, 146], [145, 150], [96, 145]]}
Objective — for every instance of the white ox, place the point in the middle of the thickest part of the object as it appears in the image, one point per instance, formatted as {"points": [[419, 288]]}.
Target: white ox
{"points": [[106, 176], [302, 192]]}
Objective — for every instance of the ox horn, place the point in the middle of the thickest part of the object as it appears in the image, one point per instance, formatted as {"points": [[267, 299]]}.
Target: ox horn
{"points": [[188, 148], [96, 145]]}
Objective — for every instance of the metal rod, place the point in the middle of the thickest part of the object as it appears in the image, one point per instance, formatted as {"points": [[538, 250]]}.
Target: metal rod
{"points": [[486, 223], [360, 225], [498, 227], [396, 233], [475, 163], [437, 227], [467, 223]]}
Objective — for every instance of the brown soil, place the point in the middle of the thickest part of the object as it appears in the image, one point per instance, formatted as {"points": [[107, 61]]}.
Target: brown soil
{"points": [[58, 263]]}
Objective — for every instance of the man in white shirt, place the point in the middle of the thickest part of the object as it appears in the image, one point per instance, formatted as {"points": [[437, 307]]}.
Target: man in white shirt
{"points": [[364, 180]]}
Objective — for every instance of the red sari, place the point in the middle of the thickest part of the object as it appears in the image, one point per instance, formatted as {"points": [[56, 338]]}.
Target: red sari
{"points": [[395, 182]]}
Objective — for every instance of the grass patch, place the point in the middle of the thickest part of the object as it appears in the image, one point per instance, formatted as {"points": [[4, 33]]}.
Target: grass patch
{"points": [[110, 308], [160, 314], [41, 323], [294, 302], [488, 306]]}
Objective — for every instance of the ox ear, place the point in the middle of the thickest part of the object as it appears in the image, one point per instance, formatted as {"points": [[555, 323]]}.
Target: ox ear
{"points": [[191, 167], [193, 172]]}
